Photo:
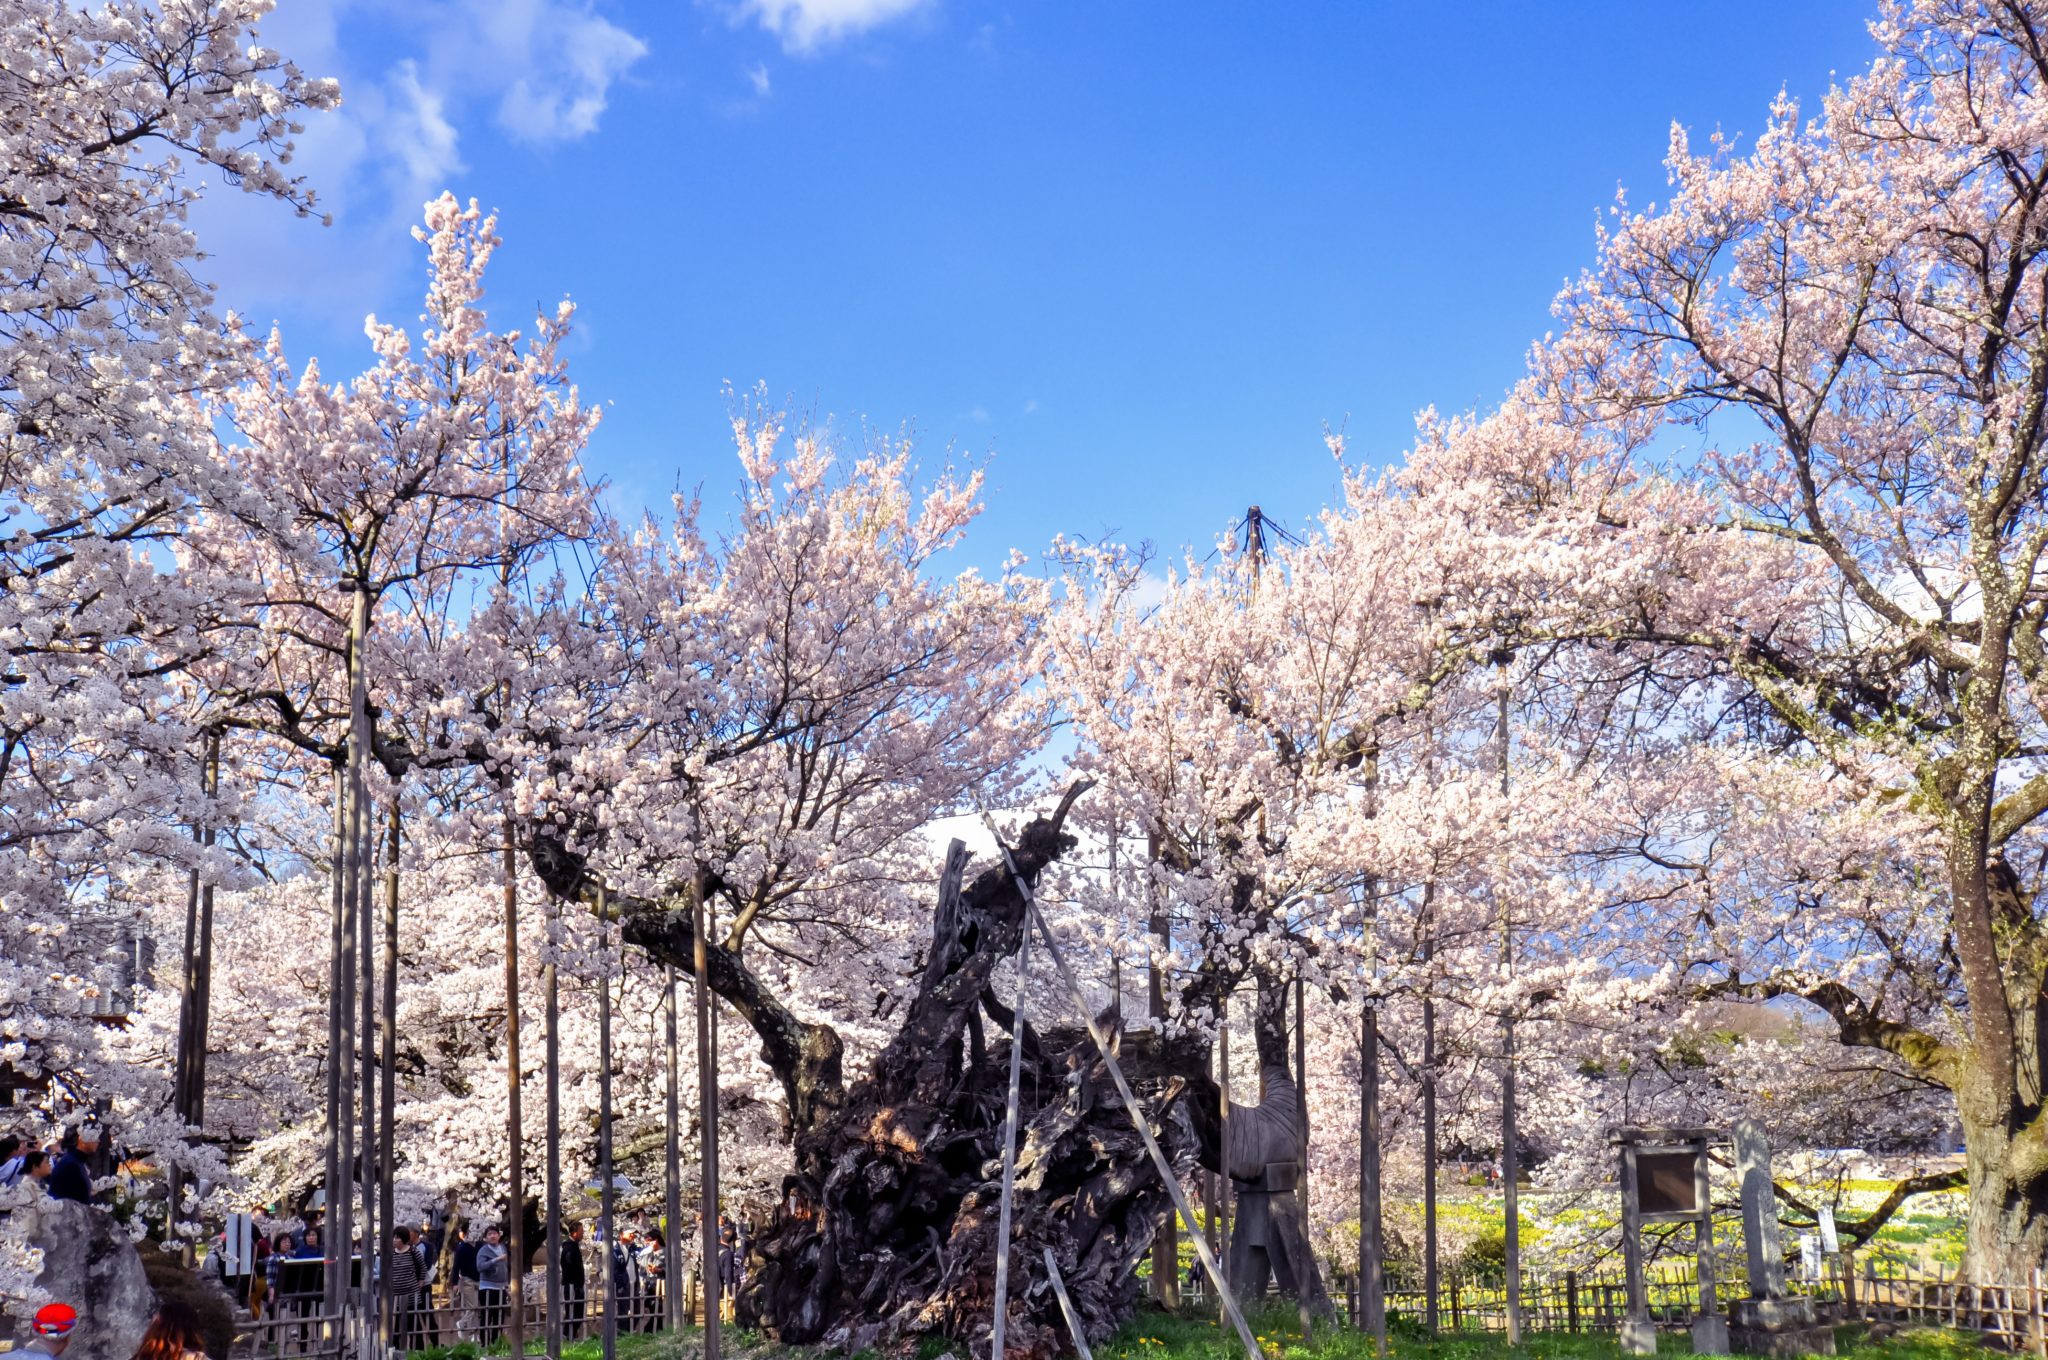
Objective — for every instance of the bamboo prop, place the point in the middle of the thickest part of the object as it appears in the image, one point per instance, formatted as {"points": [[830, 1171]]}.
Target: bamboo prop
{"points": [[1123, 1090], [998, 1324], [1059, 1289]]}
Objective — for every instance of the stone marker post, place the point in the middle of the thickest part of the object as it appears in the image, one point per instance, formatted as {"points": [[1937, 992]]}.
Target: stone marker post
{"points": [[1771, 1321]]}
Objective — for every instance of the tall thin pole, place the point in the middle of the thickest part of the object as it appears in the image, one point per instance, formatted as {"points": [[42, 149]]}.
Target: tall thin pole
{"points": [[1372, 1297], [1301, 1087], [999, 1321], [202, 1009], [1430, 1274], [707, 1119], [1510, 1170], [337, 1054], [515, 1174], [609, 1334], [672, 1155], [388, 1096], [1165, 1255], [341, 1234], [1225, 1187], [365, 912], [551, 986], [188, 1089]]}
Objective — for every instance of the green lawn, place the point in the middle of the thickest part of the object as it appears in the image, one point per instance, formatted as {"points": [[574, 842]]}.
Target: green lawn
{"points": [[1164, 1336]]}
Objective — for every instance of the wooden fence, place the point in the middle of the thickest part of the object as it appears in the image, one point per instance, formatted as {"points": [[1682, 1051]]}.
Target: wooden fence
{"points": [[2012, 1317]]}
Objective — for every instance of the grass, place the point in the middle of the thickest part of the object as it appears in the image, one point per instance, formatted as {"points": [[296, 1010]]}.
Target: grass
{"points": [[1164, 1336], [1156, 1335]]}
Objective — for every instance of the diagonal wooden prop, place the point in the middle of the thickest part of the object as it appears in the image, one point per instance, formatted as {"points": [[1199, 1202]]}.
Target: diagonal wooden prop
{"points": [[1131, 1107], [1059, 1288]]}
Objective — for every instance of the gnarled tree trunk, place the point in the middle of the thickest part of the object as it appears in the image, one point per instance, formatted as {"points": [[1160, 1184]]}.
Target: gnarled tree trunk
{"points": [[887, 1228]]}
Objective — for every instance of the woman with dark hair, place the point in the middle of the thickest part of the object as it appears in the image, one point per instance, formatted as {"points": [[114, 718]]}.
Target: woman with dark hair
{"points": [[173, 1334]]}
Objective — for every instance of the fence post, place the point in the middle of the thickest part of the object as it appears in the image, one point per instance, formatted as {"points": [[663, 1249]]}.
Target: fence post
{"points": [[2037, 1334], [1571, 1301]]}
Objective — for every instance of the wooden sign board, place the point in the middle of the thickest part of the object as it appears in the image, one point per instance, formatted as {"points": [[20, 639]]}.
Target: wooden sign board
{"points": [[1667, 1184]]}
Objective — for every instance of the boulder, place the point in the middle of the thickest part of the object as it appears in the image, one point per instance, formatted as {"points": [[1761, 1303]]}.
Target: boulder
{"points": [[90, 1263]]}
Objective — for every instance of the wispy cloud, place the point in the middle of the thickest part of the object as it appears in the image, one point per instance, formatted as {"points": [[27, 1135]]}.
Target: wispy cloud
{"points": [[806, 25], [542, 71], [757, 76], [563, 58]]}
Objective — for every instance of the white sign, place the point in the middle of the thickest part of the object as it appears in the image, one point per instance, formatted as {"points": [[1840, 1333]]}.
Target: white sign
{"points": [[1829, 1243], [238, 1246], [1809, 1255]]}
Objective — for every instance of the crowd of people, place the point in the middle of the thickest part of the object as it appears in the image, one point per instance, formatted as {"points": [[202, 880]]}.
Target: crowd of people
{"points": [[450, 1281], [63, 1166]]}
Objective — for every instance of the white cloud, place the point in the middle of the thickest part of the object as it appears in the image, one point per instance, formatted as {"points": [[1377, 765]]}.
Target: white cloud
{"points": [[563, 59], [757, 76], [543, 70], [807, 25], [416, 130]]}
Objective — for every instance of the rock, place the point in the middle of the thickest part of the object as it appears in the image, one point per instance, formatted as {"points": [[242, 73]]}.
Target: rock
{"points": [[90, 1263]]}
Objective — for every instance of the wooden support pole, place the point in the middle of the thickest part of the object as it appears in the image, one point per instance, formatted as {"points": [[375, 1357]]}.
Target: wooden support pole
{"points": [[1510, 1169], [1371, 1247], [1059, 1289], [1000, 1319], [1431, 1274], [672, 1158], [1166, 1252], [1033, 917], [609, 1332], [387, 1096], [551, 1062], [515, 1170], [337, 1056], [707, 1119]]}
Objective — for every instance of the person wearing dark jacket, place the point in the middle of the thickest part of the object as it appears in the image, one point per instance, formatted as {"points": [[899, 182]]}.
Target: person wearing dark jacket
{"points": [[465, 1296], [71, 1178], [572, 1282]]}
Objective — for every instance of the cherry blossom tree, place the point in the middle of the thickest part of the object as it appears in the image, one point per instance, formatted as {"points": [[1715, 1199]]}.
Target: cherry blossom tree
{"points": [[1845, 575], [111, 117]]}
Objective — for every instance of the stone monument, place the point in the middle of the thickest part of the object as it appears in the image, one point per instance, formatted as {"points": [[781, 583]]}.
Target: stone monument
{"points": [[1771, 1321]]}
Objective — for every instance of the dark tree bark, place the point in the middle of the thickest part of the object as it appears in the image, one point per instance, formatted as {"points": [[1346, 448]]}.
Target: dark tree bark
{"points": [[887, 1228]]}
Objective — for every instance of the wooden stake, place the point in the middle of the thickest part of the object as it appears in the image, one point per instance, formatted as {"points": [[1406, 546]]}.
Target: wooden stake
{"points": [[515, 1235], [551, 1061], [672, 1160], [1123, 1090], [999, 1321], [707, 1119], [609, 1333], [1059, 1289], [388, 1095]]}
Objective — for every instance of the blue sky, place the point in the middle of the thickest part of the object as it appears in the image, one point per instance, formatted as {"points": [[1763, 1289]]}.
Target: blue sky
{"points": [[1136, 255]]}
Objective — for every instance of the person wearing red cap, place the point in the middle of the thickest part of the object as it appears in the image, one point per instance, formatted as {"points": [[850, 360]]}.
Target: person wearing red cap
{"points": [[52, 1326]]}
